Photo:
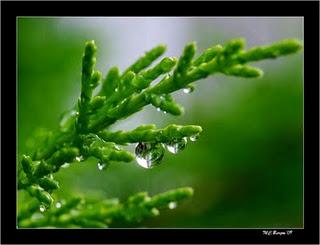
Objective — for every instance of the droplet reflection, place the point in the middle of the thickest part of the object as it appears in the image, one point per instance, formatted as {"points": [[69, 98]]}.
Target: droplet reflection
{"points": [[149, 155], [176, 145]]}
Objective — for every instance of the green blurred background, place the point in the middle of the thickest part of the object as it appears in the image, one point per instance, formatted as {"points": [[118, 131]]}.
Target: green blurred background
{"points": [[246, 168]]}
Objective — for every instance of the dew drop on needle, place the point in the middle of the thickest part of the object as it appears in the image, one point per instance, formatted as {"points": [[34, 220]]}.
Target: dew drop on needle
{"points": [[101, 166], [172, 205], [42, 208], [65, 165], [188, 90], [194, 138], [149, 155], [79, 159], [176, 145]]}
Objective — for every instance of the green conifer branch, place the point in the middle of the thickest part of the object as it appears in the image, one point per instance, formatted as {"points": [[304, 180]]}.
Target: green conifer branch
{"points": [[149, 133], [229, 60], [79, 212], [84, 130]]}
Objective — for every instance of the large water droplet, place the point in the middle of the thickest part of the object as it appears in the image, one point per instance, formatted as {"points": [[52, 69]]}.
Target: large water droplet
{"points": [[149, 155], [172, 205], [101, 166], [176, 145], [42, 208], [194, 137]]}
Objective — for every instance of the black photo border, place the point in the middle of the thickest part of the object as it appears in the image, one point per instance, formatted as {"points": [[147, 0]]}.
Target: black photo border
{"points": [[9, 232]]}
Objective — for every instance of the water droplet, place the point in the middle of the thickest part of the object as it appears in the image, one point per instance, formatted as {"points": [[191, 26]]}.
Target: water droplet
{"points": [[116, 90], [172, 205], [149, 155], [58, 205], [177, 145], [194, 137], [117, 147], [42, 208], [65, 165], [101, 166], [158, 109], [188, 90], [79, 158]]}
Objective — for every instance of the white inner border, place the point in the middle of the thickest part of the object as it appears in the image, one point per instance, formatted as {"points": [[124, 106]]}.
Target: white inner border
{"points": [[206, 17]]}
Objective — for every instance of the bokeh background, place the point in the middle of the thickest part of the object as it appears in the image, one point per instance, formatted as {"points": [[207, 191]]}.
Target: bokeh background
{"points": [[246, 168]]}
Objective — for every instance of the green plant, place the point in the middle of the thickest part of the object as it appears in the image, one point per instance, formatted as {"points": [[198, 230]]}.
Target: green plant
{"points": [[84, 133]]}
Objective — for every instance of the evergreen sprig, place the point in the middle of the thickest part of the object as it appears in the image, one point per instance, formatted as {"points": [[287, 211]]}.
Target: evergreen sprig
{"points": [[84, 130], [81, 212]]}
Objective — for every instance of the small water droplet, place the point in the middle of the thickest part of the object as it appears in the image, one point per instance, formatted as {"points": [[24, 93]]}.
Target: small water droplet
{"points": [[42, 208], [149, 155], [117, 147], [172, 205], [177, 145], [188, 90], [194, 137], [65, 165], [101, 166], [58, 205], [116, 90], [158, 109], [79, 158]]}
